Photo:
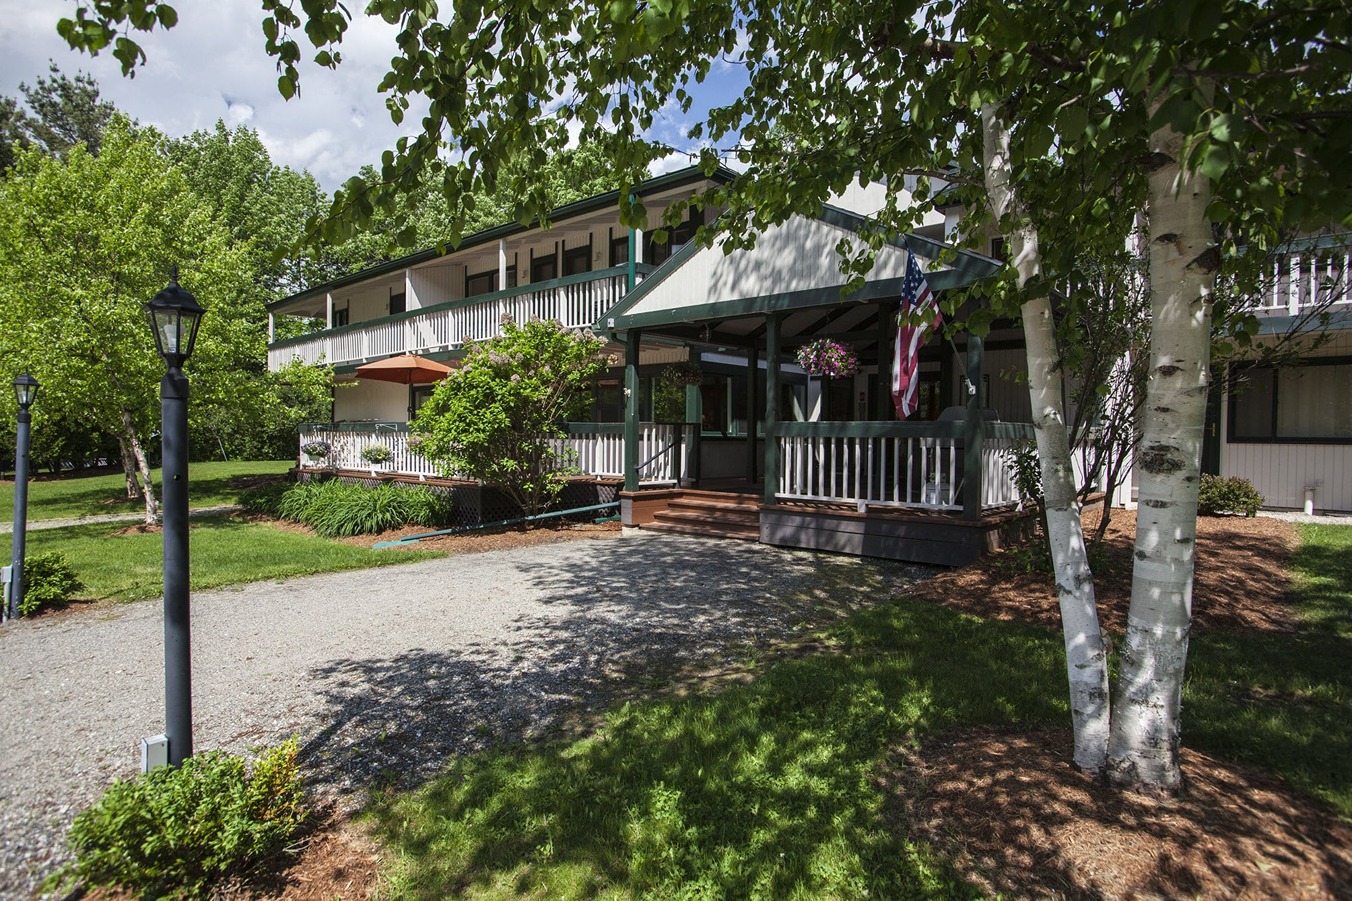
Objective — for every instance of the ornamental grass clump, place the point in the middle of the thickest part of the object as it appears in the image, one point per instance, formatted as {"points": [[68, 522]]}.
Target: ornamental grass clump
{"points": [[828, 359], [337, 509], [176, 831]]}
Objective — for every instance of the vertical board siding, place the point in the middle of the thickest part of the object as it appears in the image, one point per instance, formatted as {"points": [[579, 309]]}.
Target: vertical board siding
{"points": [[1281, 473]]}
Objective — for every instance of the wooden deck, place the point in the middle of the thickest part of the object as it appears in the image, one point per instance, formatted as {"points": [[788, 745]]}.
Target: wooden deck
{"points": [[734, 510]]}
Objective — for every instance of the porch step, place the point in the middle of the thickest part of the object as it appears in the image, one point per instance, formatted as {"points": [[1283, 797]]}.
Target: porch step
{"points": [[714, 514], [705, 529]]}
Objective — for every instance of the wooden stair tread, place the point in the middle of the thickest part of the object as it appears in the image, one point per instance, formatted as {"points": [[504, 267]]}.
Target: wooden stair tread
{"points": [[706, 530]]}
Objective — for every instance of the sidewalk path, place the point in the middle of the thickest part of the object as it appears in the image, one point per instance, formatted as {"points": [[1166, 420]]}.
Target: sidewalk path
{"points": [[39, 524], [384, 674]]}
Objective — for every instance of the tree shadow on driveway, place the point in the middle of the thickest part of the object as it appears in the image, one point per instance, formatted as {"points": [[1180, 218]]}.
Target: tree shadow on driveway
{"points": [[610, 621]]}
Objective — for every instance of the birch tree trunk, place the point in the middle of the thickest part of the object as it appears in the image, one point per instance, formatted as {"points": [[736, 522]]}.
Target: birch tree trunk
{"points": [[128, 468], [1143, 751], [1086, 660], [133, 442]]}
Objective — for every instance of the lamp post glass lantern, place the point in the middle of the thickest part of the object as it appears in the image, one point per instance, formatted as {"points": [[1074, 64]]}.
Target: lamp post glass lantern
{"points": [[25, 392], [174, 315]]}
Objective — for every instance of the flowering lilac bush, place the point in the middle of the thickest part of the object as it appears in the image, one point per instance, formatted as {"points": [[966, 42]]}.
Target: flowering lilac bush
{"points": [[832, 359]]}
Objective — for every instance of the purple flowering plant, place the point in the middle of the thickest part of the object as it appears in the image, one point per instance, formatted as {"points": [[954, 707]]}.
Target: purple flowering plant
{"points": [[825, 357]]}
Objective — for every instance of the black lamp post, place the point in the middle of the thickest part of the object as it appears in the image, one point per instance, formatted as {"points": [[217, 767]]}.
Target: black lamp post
{"points": [[174, 316], [25, 390]]}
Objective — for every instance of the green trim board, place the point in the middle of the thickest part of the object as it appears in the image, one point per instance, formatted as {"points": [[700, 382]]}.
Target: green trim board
{"points": [[688, 175], [754, 306], [860, 429], [1337, 320], [594, 275]]}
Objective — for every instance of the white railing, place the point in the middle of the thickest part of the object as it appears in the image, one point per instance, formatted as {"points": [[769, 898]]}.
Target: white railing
{"points": [[662, 447], [919, 465], [1310, 277], [997, 477], [576, 301], [599, 448], [898, 470], [346, 444]]}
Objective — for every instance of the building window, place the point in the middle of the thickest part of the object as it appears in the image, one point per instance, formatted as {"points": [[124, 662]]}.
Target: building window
{"points": [[577, 260], [398, 303], [619, 250], [340, 317], [677, 238], [481, 283], [1309, 403], [542, 269]]}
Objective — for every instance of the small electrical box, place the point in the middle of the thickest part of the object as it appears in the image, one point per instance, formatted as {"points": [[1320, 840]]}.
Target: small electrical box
{"points": [[154, 752]]}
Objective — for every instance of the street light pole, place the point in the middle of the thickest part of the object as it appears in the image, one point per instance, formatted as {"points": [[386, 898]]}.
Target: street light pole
{"points": [[174, 316], [25, 390]]}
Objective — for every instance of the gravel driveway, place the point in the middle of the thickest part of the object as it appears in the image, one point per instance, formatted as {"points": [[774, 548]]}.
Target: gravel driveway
{"points": [[384, 674]]}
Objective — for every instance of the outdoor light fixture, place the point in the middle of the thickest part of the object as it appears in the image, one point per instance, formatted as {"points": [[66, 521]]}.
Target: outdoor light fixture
{"points": [[25, 391], [174, 316]]}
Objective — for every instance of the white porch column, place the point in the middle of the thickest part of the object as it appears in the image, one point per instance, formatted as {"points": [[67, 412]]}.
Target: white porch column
{"points": [[328, 310], [502, 264], [272, 327]]}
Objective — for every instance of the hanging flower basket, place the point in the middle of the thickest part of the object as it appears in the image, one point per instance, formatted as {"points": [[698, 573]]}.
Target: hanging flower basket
{"points": [[829, 359], [376, 453], [684, 373], [316, 450]]}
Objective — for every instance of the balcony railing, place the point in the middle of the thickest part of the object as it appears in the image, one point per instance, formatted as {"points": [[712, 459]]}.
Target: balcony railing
{"points": [[577, 301], [1311, 274], [599, 447]]}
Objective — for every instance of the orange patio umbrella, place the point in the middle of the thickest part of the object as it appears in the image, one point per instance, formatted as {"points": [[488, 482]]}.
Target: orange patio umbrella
{"points": [[409, 369]]}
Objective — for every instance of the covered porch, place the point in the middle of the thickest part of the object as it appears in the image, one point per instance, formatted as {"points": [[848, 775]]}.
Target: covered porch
{"points": [[822, 465]]}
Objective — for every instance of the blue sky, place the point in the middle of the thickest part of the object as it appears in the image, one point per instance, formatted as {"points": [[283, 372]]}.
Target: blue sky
{"points": [[212, 66]]}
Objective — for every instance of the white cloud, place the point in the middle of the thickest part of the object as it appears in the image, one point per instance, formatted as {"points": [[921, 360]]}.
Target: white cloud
{"points": [[211, 67]]}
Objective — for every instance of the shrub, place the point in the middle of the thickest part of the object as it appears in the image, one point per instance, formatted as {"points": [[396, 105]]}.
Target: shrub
{"points": [[175, 830], [49, 581], [336, 509], [376, 453], [1216, 496]]}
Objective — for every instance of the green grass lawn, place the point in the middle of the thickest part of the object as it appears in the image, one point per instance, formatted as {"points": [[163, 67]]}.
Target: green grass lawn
{"points": [[768, 789], [88, 495], [225, 551]]}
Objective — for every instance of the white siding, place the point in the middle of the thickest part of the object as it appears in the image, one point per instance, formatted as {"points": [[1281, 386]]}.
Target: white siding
{"points": [[433, 285], [1282, 472], [799, 255], [365, 400]]}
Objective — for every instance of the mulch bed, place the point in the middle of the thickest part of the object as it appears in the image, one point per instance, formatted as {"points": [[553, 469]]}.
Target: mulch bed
{"points": [[1017, 818], [1241, 578]]}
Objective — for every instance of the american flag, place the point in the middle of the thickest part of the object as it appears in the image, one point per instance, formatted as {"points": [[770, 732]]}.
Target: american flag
{"points": [[915, 295]]}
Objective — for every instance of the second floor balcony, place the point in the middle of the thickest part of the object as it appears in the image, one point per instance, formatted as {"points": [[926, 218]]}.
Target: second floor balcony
{"points": [[577, 301]]}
